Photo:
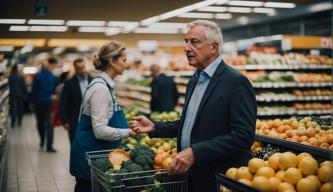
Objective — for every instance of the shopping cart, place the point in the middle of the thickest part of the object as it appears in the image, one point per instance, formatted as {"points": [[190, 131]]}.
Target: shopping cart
{"points": [[143, 181]]}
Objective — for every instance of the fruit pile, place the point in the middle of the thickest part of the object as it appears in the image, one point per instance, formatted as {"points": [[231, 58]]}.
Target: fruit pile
{"points": [[304, 131], [285, 172], [165, 116], [314, 92], [263, 152], [312, 106], [130, 112]]}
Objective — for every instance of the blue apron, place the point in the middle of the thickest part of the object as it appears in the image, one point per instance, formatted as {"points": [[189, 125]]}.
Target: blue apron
{"points": [[85, 141]]}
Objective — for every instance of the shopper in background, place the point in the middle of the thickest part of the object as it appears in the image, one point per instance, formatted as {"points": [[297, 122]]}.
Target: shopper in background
{"points": [[217, 125], [43, 87], [102, 123], [71, 97], [17, 91], [164, 93]]}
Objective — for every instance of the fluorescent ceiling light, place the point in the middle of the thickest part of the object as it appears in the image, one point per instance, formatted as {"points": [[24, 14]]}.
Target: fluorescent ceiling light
{"points": [[92, 29], [239, 9], [12, 21], [119, 23], [150, 20], [243, 20], [197, 15], [112, 31], [321, 7], [156, 30], [213, 9], [264, 10], [6, 48], [168, 25], [247, 3], [85, 23], [18, 28], [30, 70], [45, 22], [130, 27], [223, 16], [279, 5], [48, 28], [220, 2]]}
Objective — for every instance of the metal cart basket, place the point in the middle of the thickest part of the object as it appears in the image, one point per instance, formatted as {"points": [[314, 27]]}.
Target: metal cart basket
{"points": [[143, 181]]}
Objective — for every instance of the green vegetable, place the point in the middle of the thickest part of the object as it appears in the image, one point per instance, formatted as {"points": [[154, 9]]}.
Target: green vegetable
{"points": [[102, 164]]}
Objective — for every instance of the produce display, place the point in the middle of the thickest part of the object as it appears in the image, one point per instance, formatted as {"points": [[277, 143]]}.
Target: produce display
{"points": [[305, 131], [312, 92], [285, 172]]}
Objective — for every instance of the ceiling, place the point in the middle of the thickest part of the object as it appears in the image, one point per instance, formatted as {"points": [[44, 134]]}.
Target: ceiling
{"points": [[106, 10]]}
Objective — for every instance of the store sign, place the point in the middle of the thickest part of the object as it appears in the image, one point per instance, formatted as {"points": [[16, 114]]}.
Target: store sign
{"points": [[41, 8], [326, 43]]}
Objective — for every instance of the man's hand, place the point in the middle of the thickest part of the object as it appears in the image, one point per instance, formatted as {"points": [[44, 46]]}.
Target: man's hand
{"points": [[141, 124], [182, 162], [132, 133], [67, 127]]}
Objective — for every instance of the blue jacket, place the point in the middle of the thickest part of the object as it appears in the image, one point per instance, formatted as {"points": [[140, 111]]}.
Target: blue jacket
{"points": [[43, 86]]}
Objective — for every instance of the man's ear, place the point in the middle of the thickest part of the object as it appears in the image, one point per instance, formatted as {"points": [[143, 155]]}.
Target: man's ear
{"points": [[215, 47]]}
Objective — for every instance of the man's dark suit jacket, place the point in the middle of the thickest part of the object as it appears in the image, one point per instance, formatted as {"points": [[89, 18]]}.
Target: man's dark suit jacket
{"points": [[224, 127], [164, 94], [70, 104]]}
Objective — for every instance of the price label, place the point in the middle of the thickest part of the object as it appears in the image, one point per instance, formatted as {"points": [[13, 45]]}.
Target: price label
{"points": [[326, 43]]}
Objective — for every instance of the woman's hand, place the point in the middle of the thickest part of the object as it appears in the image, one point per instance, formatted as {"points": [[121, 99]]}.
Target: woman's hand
{"points": [[142, 124], [132, 133]]}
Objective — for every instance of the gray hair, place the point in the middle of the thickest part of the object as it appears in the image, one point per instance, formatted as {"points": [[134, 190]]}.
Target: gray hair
{"points": [[213, 33]]}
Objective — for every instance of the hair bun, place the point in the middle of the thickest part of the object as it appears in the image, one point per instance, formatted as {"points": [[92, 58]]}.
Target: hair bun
{"points": [[97, 62]]}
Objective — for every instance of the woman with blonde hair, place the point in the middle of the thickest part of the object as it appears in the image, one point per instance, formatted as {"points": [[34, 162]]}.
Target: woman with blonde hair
{"points": [[102, 123]]}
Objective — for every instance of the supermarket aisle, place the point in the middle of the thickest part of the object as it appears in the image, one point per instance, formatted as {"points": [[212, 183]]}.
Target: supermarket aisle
{"points": [[31, 169]]}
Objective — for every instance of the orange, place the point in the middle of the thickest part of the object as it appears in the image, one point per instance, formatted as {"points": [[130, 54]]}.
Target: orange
{"points": [[159, 158], [287, 160], [292, 175], [261, 183], [325, 172], [327, 187], [231, 173], [315, 179], [245, 181], [326, 163], [255, 164], [280, 174], [275, 182], [277, 123], [266, 172], [243, 173], [302, 155], [308, 166], [273, 161], [286, 186], [306, 185]]}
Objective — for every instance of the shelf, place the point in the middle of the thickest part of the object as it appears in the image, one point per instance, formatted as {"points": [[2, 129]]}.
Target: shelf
{"points": [[143, 110], [280, 67], [3, 82], [292, 98], [134, 87], [232, 184], [136, 96], [323, 153], [294, 112], [4, 96], [290, 84], [313, 112]]}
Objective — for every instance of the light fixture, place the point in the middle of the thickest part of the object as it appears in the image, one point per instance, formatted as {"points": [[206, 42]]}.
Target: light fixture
{"points": [[6, 48], [48, 28], [112, 31], [150, 20], [168, 25], [155, 30], [18, 28], [279, 5], [239, 9], [213, 9], [85, 23], [92, 29], [45, 22], [247, 3], [197, 15], [264, 10], [30, 70], [12, 21], [130, 27], [223, 16], [243, 20], [119, 23], [220, 2]]}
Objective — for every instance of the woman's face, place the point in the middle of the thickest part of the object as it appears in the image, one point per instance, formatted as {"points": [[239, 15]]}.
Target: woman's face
{"points": [[120, 65]]}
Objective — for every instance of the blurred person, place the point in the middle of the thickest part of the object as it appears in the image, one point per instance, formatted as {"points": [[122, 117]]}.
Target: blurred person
{"points": [[17, 92], [102, 123], [217, 125], [71, 97], [56, 121], [164, 93], [43, 87]]}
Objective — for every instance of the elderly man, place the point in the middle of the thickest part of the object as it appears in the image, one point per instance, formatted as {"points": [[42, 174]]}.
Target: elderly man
{"points": [[217, 125]]}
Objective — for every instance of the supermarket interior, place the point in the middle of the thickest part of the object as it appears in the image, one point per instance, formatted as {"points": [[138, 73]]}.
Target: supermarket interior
{"points": [[250, 112]]}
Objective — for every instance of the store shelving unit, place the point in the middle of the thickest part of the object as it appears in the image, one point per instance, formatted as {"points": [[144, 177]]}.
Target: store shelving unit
{"points": [[4, 124]]}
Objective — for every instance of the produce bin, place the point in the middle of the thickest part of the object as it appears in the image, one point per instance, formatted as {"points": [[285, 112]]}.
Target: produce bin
{"points": [[143, 181], [232, 185]]}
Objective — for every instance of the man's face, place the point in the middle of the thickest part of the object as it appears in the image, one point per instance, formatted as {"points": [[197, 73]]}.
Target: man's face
{"points": [[80, 69], [198, 51]]}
